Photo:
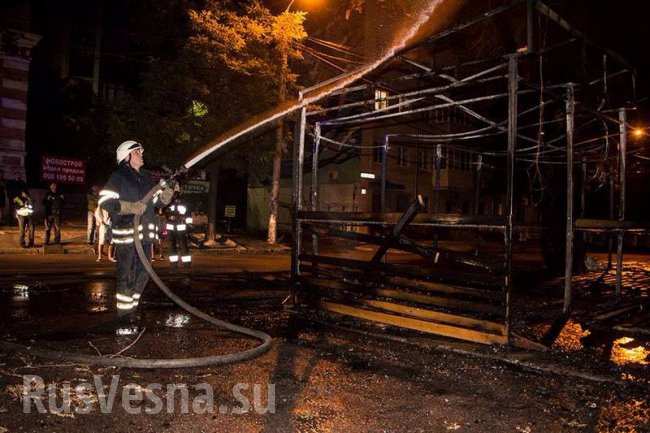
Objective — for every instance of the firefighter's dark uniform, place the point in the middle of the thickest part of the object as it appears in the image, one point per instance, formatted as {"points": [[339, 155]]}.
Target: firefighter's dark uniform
{"points": [[127, 184], [53, 203], [178, 223]]}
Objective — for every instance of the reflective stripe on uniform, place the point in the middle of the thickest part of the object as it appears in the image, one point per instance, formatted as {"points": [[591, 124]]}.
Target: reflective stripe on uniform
{"points": [[173, 259], [104, 199], [188, 220], [169, 226], [123, 241], [186, 259], [181, 209], [152, 235], [125, 305], [181, 227], [107, 194], [122, 231], [123, 298], [151, 226]]}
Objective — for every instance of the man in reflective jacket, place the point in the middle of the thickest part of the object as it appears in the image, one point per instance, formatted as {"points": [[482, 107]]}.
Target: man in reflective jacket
{"points": [[121, 198], [24, 211], [178, 225]]}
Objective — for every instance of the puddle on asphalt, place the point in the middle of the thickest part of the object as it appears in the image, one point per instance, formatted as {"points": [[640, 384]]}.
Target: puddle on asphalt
{"points": [[177, 320], [99, 296]]}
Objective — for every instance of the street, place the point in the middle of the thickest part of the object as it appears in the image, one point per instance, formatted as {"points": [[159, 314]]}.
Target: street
{"points": [[322, 378]]}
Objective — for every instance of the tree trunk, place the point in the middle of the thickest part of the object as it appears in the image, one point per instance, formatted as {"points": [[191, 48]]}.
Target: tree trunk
{"points": [[279, 151]]}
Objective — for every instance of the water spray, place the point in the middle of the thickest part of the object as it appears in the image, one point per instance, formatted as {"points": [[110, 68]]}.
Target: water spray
{"points": [[320, 92], [266, 340]]}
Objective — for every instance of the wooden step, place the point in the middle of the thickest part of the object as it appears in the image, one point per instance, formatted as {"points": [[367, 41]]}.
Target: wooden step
{"points": [[415, 324]]}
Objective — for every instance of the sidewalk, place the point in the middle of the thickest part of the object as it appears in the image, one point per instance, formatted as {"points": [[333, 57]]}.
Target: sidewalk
{"points": [[73, 240]]}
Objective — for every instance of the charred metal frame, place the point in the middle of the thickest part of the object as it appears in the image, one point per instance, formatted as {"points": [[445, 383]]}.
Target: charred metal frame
{"points": [[407, 103]]}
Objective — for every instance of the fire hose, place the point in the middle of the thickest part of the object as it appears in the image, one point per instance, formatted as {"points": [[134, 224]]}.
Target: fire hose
{"points": [[158, 363]]}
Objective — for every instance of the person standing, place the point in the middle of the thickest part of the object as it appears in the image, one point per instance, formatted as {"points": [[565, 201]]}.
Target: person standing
{"points": [[103, 221], [92, 224], [53, 203], [121, 198], [24, 211], [177, 225]]}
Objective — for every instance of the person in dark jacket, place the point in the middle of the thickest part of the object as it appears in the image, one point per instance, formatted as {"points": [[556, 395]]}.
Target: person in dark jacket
{"points": [[53, 203], [121, 198], [24, 211]]}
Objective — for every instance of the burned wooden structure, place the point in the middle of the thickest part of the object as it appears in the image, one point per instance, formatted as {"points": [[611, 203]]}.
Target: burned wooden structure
{"points": [[554, 102]]}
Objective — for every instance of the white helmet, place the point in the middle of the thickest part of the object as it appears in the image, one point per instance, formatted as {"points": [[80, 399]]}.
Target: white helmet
{"points": [[124, 149]]}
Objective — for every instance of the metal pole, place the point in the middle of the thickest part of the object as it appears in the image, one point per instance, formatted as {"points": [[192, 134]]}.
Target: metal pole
{"points": [[384, 170], [315, 187], [314, 168], [568, 269], [513, 111], [298, 162], [583, 188], [437, 178], [610, 240], [417, 170], [622, 149]]}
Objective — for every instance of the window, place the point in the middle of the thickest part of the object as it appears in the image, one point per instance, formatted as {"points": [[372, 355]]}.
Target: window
{"points": [[402, 155], [381, 99]]}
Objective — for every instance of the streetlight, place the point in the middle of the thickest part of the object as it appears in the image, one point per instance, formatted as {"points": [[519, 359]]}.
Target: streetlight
{"points": [[307, 2], [638, 132]]}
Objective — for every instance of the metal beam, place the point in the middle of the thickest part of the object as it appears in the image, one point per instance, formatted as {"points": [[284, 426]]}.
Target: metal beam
{"points": [[513, 111], [568, 264], [404, 221], [622, 149], [298, 162]]}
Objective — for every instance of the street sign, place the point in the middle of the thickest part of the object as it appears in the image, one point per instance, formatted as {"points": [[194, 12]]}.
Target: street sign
{"points": [[196, 187], [63, 170]]}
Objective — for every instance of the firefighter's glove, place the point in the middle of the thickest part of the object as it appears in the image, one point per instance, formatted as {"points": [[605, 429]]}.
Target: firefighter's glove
{"points": [[166, 195], [132, 208]]}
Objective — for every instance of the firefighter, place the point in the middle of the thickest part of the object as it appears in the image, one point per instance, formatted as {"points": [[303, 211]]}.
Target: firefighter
{"points": [[121, 198], [178, 224], [24, 211]]}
